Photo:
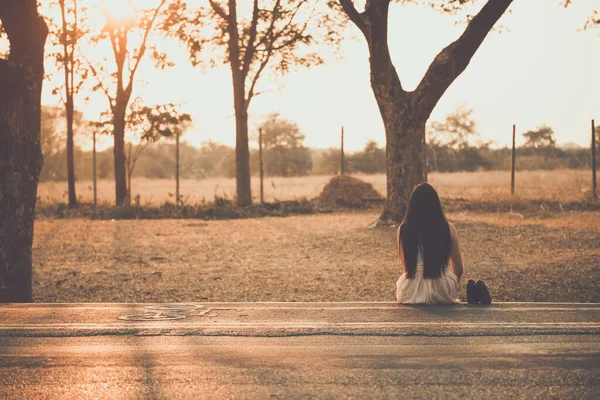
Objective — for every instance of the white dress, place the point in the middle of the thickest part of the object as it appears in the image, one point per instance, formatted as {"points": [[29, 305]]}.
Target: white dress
{"points": [[418, 290]]}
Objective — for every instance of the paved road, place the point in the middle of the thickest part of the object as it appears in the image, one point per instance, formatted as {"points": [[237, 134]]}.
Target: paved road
{"points": [[299, 350]]}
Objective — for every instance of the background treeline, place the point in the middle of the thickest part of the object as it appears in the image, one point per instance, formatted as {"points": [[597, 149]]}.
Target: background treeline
{"points": [[213, 159], [448, 150]]}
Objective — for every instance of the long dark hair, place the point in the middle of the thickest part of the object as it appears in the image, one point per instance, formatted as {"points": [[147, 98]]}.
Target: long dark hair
{"points": [[425, 230]]}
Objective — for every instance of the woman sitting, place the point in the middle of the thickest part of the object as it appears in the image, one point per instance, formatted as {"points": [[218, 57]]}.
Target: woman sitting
{"points": [[429, 251]]}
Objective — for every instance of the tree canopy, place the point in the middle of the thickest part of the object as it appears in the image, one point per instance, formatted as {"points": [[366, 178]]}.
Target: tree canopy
{"points": [[542, 136], [285, 154]]}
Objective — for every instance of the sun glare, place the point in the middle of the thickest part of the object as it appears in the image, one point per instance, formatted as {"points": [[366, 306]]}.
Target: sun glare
{"points": [[118, 10]]}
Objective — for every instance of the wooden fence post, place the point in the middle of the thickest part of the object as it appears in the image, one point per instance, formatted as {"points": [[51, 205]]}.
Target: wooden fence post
{"points": [[512, 168], [594, 182], [260, 166], [94, 177], [177, 201], [342, 154]]}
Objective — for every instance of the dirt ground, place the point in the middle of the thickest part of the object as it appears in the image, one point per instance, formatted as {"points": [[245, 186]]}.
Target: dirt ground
{"points": [[331, 257]]}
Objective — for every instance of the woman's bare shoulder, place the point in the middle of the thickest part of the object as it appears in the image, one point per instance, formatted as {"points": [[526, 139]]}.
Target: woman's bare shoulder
{"points": [[453, 231]]}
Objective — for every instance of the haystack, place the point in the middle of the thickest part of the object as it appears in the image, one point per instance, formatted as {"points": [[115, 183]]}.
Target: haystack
{"points": [[346, 191]]}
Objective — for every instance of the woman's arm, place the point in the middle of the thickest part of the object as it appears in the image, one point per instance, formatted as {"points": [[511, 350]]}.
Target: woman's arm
{"points": [[400, 251], [455, 256]]}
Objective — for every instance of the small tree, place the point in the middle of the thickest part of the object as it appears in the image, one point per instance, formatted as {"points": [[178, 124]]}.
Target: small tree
{"points": [[66, 36], [284, 152], [453, 139], [458, 129], [148, 125], [542, 137], [262, 35]]}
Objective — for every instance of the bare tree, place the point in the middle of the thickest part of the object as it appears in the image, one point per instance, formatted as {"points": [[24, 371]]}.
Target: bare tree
{"points": [[405, 113], [256, 37], [21, 77]]}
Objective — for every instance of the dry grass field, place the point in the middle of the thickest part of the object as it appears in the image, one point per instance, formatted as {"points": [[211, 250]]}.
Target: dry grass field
{"points": [[304, 258], [561, 185], [551, 256]]}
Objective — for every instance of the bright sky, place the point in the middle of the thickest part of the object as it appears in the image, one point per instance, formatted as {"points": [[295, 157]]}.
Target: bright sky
{"points": [[541, 70]]}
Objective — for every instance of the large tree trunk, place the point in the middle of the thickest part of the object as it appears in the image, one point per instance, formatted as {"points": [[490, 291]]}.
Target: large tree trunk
{"points": [[404, 128], [242, 154], [21, 79], [404, 167], [119, 153], [238, 74]]}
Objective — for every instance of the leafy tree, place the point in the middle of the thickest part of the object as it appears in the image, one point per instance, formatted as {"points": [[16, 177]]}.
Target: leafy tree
{"points": [[457, 130], [213, 160], [284, 152], [327, 162], [272, 35], [21, 77], [405, 113], [542, 137], [127, 61], [369, 161]]}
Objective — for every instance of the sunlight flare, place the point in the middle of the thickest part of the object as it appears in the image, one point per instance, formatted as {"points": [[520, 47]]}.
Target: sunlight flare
{"points": [[118, 10]]}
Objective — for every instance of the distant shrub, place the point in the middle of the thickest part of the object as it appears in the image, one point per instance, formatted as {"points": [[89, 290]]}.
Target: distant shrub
{"points": [[221, 209]]}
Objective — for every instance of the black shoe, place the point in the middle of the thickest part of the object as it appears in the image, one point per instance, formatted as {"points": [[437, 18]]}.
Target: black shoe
{"points": [[482, 294], [471, 299]]}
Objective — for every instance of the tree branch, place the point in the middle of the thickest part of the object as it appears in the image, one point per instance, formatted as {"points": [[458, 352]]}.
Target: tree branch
{"points": [[234, 45], [283, 30], [74, 41], [218, 10], [453, 60], [269, 41], [354, 15], [143, 48], [271, 27], [260, 69], [57, 89], [100, 83], [250, 47]]}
